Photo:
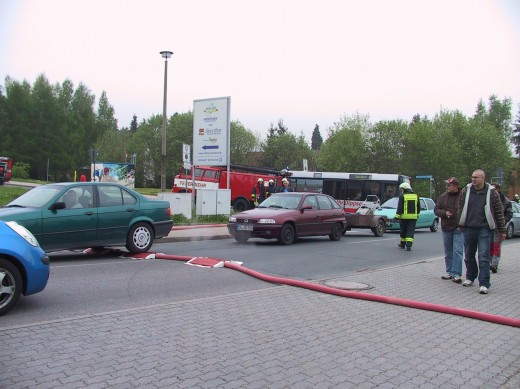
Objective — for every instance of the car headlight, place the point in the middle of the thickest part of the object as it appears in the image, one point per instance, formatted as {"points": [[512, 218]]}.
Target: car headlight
{"points": [[24, 233], [232, 219], [266, 221]]}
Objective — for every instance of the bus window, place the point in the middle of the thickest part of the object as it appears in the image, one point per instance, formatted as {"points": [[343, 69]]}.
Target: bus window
{"points": [[335, 188], [355, 190], [390, 191], [309, 185], [372, 188]]}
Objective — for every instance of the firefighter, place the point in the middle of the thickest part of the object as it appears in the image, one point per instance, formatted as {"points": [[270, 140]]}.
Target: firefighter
{"points": [[285, 186], [271, 188], [258, 192], [407, 212]]}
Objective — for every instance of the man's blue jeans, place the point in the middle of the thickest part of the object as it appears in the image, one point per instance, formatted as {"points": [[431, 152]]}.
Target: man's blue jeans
{"points": [[453, 251], [477, 238]]}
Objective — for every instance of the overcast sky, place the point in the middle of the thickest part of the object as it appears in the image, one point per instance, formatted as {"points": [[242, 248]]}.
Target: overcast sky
{"points": [[306, 62]]}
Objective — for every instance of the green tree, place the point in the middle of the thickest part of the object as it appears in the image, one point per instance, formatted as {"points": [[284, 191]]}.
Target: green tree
{"points": [[146, 144], [4, 148], [316, 140], [516, 133], [500, 114], [385, 144], [346, 148], [112, 143], [45, 118], [18, 122], [133, 124], [286, 150], [242, 142]]}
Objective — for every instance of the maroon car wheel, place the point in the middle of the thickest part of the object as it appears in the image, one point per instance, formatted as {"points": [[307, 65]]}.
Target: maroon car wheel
{"points": [[287, 235]]}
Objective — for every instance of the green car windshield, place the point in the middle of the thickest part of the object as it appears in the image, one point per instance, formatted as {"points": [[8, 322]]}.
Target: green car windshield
{"points": [[37, 197]]}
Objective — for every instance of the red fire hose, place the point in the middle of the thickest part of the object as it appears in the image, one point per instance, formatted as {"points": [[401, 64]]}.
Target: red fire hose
{"points": [[203, 261]]}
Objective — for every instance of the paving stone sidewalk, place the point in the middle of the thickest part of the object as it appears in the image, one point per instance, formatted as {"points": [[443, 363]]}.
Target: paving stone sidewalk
{"points": [[283, 337]]}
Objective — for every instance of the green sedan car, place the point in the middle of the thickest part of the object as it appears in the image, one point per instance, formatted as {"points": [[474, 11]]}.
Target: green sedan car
{"points": [[76, 215]]}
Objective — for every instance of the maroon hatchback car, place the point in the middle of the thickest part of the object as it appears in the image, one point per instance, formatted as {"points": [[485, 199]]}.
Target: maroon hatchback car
{"points": [[288, 216]]}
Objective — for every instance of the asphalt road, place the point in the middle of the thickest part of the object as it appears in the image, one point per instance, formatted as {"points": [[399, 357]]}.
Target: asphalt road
{"points": [[315, 258], [82, 285]]}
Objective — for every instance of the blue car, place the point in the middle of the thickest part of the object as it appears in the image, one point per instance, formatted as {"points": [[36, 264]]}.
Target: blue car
{"points": [[427, 218], [24, 266]]}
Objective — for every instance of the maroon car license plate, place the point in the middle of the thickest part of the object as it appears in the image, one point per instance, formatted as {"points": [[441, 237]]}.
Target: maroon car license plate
{"points": [[244, 227]]}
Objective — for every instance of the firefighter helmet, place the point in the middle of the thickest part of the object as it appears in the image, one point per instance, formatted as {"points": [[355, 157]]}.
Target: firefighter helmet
{"points": [[285, 181], [260, 179], [405, 186], [271, 181]]}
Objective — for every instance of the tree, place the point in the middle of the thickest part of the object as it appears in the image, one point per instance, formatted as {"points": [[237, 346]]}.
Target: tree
{"points": [[346, 147], [500, 114], [280, 129], [286, 150], [316, 140], [133, 124], [18, 139], [112, 143], [242, 142], [385, 144], [516, 133], [4, 148], [146, 144]]}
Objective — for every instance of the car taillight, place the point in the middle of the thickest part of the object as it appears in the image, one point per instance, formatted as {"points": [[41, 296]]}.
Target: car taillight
{"points": [[168, 211]]}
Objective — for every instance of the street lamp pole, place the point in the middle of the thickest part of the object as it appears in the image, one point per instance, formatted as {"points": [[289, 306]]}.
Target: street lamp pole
{"points": [[165, 55]]}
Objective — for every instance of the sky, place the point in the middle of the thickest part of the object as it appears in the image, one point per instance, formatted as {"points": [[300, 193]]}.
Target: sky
{"points": [[304, 62]]}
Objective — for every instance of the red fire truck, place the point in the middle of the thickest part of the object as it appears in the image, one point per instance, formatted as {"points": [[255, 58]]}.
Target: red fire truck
{"points": [[6, 167], [241, 181]]}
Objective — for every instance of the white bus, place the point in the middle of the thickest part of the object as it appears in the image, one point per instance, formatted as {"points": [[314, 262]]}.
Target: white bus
{"points": [[349, 189]]}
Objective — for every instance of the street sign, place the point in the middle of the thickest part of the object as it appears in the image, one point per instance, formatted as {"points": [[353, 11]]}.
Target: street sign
{"points": [[186, 153], [424, 177], [211, 131]]}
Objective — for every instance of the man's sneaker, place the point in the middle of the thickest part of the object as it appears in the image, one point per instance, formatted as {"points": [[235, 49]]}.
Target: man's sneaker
{"points": [[457, 279], [493, 269], [483, 290], [447, 277], [467, 283]]}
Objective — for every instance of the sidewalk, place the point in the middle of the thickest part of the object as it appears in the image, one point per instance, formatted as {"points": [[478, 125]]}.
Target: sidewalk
{"points": [[282, 336]]}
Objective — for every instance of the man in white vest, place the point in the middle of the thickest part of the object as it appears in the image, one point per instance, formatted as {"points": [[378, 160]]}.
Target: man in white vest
{"points": [[480, 213]]}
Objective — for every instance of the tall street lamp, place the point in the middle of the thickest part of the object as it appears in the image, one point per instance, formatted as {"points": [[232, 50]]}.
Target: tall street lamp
{"points": [[165, 55]]}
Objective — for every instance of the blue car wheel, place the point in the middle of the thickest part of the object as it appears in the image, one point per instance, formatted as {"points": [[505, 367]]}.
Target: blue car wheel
{"points": [[11, 285]]}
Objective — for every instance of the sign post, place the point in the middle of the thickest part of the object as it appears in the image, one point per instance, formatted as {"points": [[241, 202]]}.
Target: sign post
{"points": [[186, 161], [427, 178]]}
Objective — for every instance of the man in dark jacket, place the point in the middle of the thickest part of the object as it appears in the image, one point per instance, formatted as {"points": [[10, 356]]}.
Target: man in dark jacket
{"points": [[452, 237], [407, 212], [480, 213]]}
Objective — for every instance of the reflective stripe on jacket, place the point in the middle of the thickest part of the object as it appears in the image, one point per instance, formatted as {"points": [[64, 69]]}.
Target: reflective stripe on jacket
{"points": [[408, 207]]}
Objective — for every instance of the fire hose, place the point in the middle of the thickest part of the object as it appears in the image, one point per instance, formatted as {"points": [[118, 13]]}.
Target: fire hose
{"points": [[214, 262]]}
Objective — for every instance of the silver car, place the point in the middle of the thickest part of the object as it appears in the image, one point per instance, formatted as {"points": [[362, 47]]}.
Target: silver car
{"points": [[513, 226]]}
